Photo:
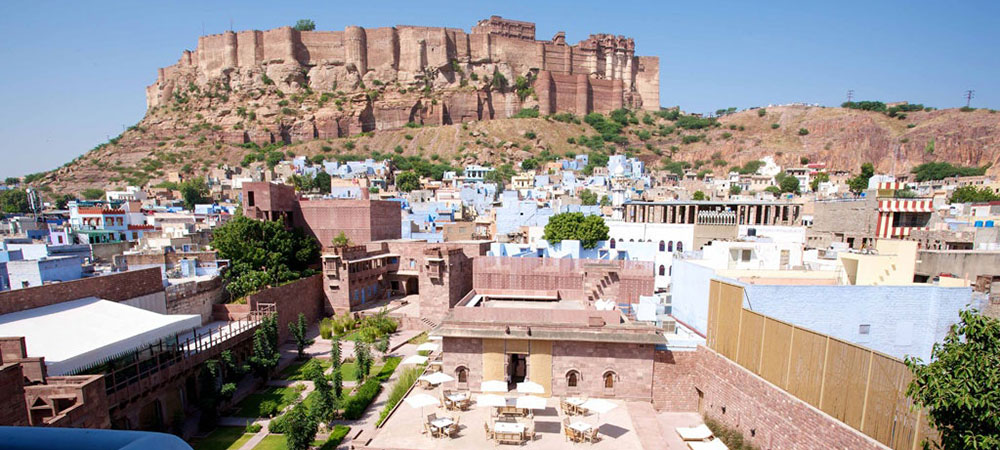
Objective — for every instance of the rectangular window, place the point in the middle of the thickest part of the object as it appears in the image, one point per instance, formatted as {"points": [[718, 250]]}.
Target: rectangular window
{"points": [[250, 199], [864, 329], [745, 256]]}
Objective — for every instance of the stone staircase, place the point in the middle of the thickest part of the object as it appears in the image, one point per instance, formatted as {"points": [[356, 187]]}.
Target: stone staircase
{"points": [[428, 323]]}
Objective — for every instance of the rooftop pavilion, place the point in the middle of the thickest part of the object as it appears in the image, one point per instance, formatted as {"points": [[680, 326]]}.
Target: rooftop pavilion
{"points": [[75, 334]]}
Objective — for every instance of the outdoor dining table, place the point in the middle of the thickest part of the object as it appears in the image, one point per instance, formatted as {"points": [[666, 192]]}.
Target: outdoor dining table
{"points": [[442, 423], [581, 427], [508, 427], [576, 402], [457, 397]]}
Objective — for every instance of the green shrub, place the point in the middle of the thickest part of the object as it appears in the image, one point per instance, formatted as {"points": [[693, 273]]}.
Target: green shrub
{"points": [[252, 428], [761, 112], [530, 135], [403, 384], [775, 126], [337, 436], [526, 113], [326, 328], [355, 405], [268, 408], [278, 425], [803, 131]]}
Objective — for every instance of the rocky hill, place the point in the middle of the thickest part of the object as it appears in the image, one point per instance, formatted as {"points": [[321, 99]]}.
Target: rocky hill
{"points": [[494, 95]]}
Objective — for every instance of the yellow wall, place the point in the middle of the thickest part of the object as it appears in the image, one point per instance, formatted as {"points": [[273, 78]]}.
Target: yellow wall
{"points": [[539, 360], [894, 264]]}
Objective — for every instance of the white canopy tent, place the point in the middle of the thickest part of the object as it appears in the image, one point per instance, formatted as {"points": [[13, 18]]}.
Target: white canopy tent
{"points": [[493, 386], [414, 359], [530, 402], [436, 378], [490, 400], [75, 334], [530, 387]]}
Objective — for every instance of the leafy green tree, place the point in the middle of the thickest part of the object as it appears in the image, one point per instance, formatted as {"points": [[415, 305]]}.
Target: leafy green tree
{"points": [[588, 198], [14, 201], [859, 183], [92, 193], [605, 201], [382, 345], [194, 191], [698, 195], [362, 359], [407, 181], [941, 170], [11, 181], [322, 409], [959, 386], [208, 394], [821, 177], [322, 182], [789, 184], [774, 190], [735, 189], [529, 164], [62, 201], [586, 229], [262, 253], [341, 240], [298, 330], [971, 194], [265, 349], [305, 25], [300, 428]]}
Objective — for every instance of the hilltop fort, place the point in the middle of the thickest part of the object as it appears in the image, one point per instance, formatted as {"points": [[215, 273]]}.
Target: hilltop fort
{"points": [[387, 77]]}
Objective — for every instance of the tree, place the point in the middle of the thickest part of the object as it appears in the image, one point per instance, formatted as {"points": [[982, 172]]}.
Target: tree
{"points": [[789, 184], [335, 360], [194, 191], [208, 394], [262, 253], [735, 189], [605, 201], [298, 330], [362, 359], [341, 240], [859, 183], [300, 428], [265, 350], [774, 190], [971, 194], [586, 229], [407, 181], [382, 345], [500, 175], [529, 164], [821, 177], [322, 409], [588, 198], [14, 201], [305, 25], [62, 201], [958, 386], [11, 181], [322, 182], [698, 195], [92, 193]]}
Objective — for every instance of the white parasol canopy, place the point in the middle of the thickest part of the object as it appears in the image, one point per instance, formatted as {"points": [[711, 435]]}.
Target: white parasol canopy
{"points": [[427, 347], [531, 402], [530, 387], [435, 338], [490, 400], [415, 359], [599, 406], [493, 386], [421, 400], [436, 378]]}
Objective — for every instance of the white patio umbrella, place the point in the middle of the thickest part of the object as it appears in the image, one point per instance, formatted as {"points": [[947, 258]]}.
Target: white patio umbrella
{"points": [[436, 378], [435, 338], [493, 386], [530, 402], [490, 400], [427, 347], [598, 405], [415, 359], [420, 401], [530, 387]]}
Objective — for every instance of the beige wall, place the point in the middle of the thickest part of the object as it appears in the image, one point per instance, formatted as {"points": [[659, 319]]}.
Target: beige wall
{"points": [[894, 264]]}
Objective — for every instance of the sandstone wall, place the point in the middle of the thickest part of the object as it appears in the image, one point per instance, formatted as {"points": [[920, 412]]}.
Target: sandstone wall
{"points": [[302, 296], [195, 297], [115, 287]]}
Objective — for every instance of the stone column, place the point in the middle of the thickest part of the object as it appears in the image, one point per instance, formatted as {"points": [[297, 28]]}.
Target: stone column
{"points": [[582, 94], [230, 61], [356, 48], [543, 87]]}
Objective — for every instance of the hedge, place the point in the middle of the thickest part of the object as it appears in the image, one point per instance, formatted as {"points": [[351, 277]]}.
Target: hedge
{"points": [[355, 406]]}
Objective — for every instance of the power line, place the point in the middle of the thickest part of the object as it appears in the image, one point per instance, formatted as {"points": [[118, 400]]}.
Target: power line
{"points": [[969, 95], [850, 95]]}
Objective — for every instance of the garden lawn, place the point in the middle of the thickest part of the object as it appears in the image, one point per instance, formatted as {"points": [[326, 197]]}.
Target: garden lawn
{"points": [[418, 339], [296, 369], [223, 438], [277, 442], [349, 371], [250, 406]]}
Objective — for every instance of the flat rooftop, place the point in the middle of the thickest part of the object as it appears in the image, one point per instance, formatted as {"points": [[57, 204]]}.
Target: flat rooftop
{"points": [[537, 304], [74, 334]]}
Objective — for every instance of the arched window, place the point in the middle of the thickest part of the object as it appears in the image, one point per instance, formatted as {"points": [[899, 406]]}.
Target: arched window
{"points": [[572, 378], [412, 263], [663, 246], [670, 246], [662, 270], [612, 243], [670, 270], [609, 380], [680, 246], [620, 240], [631, 240], [462, 374]]}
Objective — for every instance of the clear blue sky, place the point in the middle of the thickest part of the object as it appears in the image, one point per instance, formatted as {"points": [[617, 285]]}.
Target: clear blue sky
{"points": [[74, 73]]}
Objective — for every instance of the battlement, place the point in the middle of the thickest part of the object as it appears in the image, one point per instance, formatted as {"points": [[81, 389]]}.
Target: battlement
{"points": [[505, 27]]}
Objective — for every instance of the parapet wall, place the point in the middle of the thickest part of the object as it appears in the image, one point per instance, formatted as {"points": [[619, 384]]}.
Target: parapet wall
{"points": [[115, 287]]}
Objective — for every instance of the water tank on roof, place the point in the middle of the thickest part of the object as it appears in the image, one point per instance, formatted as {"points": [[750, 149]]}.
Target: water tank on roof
{"points": [[978, 224], [989, 224]]}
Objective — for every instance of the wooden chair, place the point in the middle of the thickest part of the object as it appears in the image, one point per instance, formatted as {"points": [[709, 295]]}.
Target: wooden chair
{"points": [[566, 408], [567, 431], [453, 428], [591, 435], [529, 432], [489, 433]]}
